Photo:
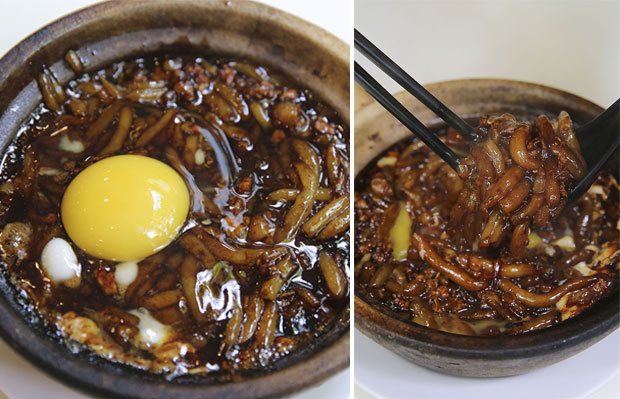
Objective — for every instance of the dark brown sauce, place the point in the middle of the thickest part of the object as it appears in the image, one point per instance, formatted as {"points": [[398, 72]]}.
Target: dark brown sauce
{"points": [[398, 278], [239, 151]]}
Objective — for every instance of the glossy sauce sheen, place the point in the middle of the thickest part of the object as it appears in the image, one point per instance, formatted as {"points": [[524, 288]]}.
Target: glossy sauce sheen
{"points": [[260, 268], [492, 248]]}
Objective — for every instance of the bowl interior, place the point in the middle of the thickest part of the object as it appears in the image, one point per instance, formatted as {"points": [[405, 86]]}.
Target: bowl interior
{"points": [[375, 131], [118, 30]]}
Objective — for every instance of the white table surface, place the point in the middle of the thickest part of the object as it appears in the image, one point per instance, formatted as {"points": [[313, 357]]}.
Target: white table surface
{"points": [[18, 19], [570, 45]]}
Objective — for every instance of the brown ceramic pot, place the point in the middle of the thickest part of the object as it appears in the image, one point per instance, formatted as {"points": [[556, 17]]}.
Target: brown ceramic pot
{"points": [[118, 30], [375, 131]]}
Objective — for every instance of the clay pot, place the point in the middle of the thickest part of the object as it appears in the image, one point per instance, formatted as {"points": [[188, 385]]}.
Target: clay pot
{"points": [[119, 30], [375, 131]]}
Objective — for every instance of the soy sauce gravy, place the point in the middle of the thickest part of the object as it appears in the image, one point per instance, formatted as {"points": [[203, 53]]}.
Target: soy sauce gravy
{"points": [[447, 250], [243, 285]]}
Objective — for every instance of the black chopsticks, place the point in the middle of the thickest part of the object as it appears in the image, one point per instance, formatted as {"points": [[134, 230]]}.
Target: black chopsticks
{"points": [[384, 98], [401, 77]]}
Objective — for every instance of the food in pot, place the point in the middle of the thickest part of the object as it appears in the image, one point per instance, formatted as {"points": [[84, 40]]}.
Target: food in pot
{"points": [[493, 247], [180, 214]]}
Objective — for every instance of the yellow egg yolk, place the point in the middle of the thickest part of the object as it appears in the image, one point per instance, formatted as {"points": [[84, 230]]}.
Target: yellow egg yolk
{"points": [[125, 208]]}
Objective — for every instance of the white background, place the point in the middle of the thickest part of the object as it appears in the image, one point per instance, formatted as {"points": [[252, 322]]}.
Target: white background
{"points": [[570, 45], [18, 19]]}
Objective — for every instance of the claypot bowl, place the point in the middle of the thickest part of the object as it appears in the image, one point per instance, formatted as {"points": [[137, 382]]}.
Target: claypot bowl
{"points": [[119, 30], [375, 131]]}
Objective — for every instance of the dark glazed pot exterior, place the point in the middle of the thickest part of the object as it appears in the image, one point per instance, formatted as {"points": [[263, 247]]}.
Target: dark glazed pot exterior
{"points": [[375, 131], [118, 30]]}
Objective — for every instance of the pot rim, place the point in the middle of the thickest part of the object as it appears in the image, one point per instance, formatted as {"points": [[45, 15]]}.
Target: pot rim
{"points": [[47, 354]]}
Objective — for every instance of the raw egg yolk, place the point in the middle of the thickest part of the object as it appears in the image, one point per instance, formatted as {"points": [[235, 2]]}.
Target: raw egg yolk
{"points": [[125, 208]]}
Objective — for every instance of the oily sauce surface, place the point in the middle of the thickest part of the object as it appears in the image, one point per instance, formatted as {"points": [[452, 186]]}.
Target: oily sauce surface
{"points": [[491, 248], [258, 270]]}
